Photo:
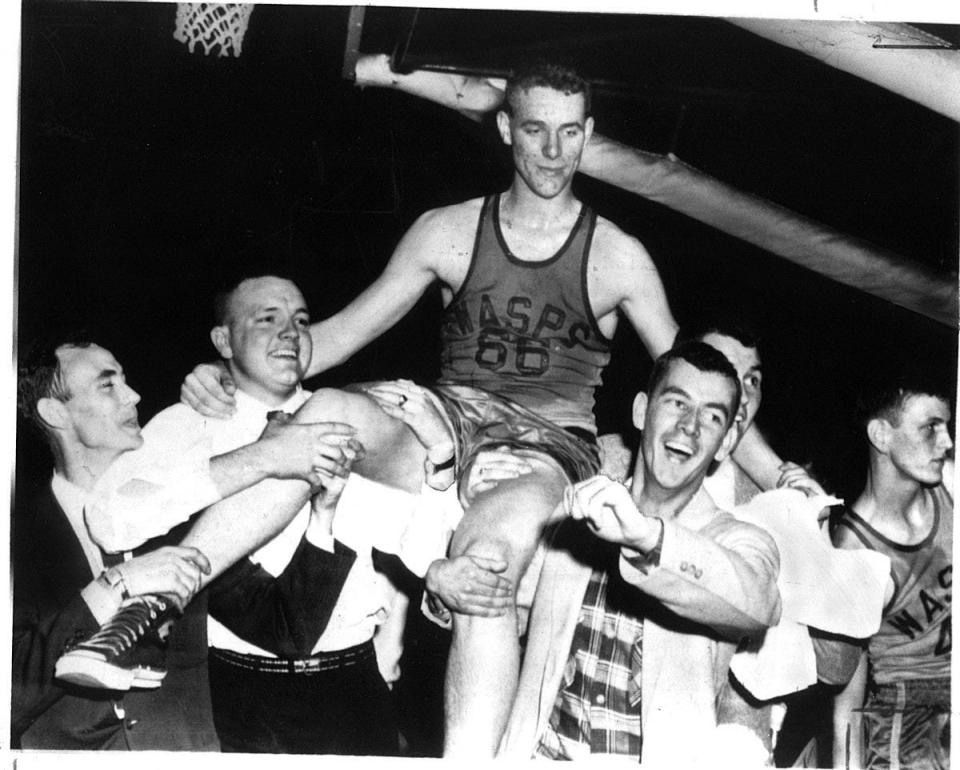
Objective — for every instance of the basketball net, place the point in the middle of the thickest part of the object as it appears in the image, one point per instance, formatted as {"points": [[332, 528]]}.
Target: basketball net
{"points": [[214, 26]]}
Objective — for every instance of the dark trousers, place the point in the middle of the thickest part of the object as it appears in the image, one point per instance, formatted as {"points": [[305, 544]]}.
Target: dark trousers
{"points": [[337, 710]]}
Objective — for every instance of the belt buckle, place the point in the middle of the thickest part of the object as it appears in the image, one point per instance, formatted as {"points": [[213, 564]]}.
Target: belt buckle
{"points": [[300, 665]]}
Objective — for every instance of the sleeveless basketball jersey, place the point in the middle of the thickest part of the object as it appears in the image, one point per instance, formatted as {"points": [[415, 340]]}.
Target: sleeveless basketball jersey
{"points": [[914, 638], [525, 330]]}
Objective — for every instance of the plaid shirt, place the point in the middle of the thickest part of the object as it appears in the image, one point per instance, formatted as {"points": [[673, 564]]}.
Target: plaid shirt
{"points": [[597, 710]]}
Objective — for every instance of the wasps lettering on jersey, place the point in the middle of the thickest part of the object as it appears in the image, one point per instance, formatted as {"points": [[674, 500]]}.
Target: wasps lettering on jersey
{"points": [[518, 326], [929, 608]]}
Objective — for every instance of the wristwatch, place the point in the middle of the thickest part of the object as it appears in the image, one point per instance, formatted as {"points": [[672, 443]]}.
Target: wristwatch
{"points": [[113, 578], [433, 467], [440, 476]]}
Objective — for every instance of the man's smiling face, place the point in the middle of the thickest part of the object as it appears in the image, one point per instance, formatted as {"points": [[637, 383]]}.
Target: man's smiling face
{"points": [[686, 425], [266, 340], [747, 363]]}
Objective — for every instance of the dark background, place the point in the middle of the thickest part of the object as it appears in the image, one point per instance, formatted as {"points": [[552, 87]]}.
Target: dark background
{"points": [[147, 172]]}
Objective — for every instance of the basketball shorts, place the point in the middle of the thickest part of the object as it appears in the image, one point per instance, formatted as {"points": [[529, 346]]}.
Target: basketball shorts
{"points": [[906, 724], [480, 420]]}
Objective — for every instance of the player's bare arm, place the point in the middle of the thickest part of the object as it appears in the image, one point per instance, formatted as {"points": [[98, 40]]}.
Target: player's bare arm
{"points": [[847, 742], [622, 270], [623, 275], [436, 247]]}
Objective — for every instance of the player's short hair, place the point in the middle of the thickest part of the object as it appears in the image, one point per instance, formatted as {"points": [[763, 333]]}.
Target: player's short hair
{"points": [[723, 325], [546, 74], [229, 285], [39, 374], [701, 356], [886, 398]]}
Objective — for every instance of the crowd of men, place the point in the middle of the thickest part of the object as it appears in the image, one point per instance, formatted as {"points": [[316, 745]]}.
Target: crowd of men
{"points": [[209, 582]]}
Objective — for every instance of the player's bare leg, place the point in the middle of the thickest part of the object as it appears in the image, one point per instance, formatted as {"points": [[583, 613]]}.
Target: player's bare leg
{"points": [[393, 454], [229, 530], [506, 523]]}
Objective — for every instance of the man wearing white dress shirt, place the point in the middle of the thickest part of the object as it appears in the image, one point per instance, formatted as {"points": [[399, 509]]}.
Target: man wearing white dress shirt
{"points": [[322, 692]]}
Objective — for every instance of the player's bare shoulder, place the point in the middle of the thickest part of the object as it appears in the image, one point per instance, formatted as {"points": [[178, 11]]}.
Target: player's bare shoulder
{"points": [[614, 249], [617, 260], [622, 276], [443, 238]]}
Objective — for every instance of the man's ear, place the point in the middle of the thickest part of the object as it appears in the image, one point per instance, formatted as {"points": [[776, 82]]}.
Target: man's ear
{"points": [[587, 131], [503, 126], [220, 336], [53, 412], [878, 434], [639, 410], [728, 443]]}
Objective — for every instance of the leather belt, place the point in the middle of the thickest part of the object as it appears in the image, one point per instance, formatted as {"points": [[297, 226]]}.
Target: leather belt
{"points": [[322, 661]]}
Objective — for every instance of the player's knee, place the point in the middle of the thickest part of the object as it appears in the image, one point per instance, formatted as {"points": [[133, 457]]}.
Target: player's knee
{"points": [[492, 548], [325, 405]]}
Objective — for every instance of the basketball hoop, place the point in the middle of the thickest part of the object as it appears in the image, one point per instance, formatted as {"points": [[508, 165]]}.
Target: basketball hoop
{"points": [[214, 26]]}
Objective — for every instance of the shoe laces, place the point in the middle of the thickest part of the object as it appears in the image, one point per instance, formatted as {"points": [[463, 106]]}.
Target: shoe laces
{"points": [[128, 625]]}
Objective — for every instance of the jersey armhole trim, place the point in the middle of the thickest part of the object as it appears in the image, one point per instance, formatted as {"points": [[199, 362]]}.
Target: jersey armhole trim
{"points": [[849, 524], [584, 274], [894, 596], [473, 257]]}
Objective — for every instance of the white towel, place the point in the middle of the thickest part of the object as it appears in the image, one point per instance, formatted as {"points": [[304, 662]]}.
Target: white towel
{"points": [[831, 589]]}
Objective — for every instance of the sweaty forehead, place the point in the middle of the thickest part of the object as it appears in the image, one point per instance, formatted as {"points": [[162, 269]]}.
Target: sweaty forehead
{"points": [[530, 102], [922, 407], [257, 293], [706, 387]]}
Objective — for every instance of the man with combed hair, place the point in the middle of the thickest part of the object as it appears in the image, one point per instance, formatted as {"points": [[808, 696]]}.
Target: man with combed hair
{"points": [[647, 590], [533, 284], [895, 712]]}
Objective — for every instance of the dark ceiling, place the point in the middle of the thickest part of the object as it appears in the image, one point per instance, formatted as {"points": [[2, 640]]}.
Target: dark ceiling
{"points": [[146, 172]]}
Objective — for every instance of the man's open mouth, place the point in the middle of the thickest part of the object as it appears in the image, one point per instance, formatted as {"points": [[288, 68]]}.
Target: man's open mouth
{"points": [[678, 451]]}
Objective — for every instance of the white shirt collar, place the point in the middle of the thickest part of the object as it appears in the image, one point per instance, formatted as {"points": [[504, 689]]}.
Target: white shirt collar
{"points": [[71, 497], [721, 485], [248, 406]]}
